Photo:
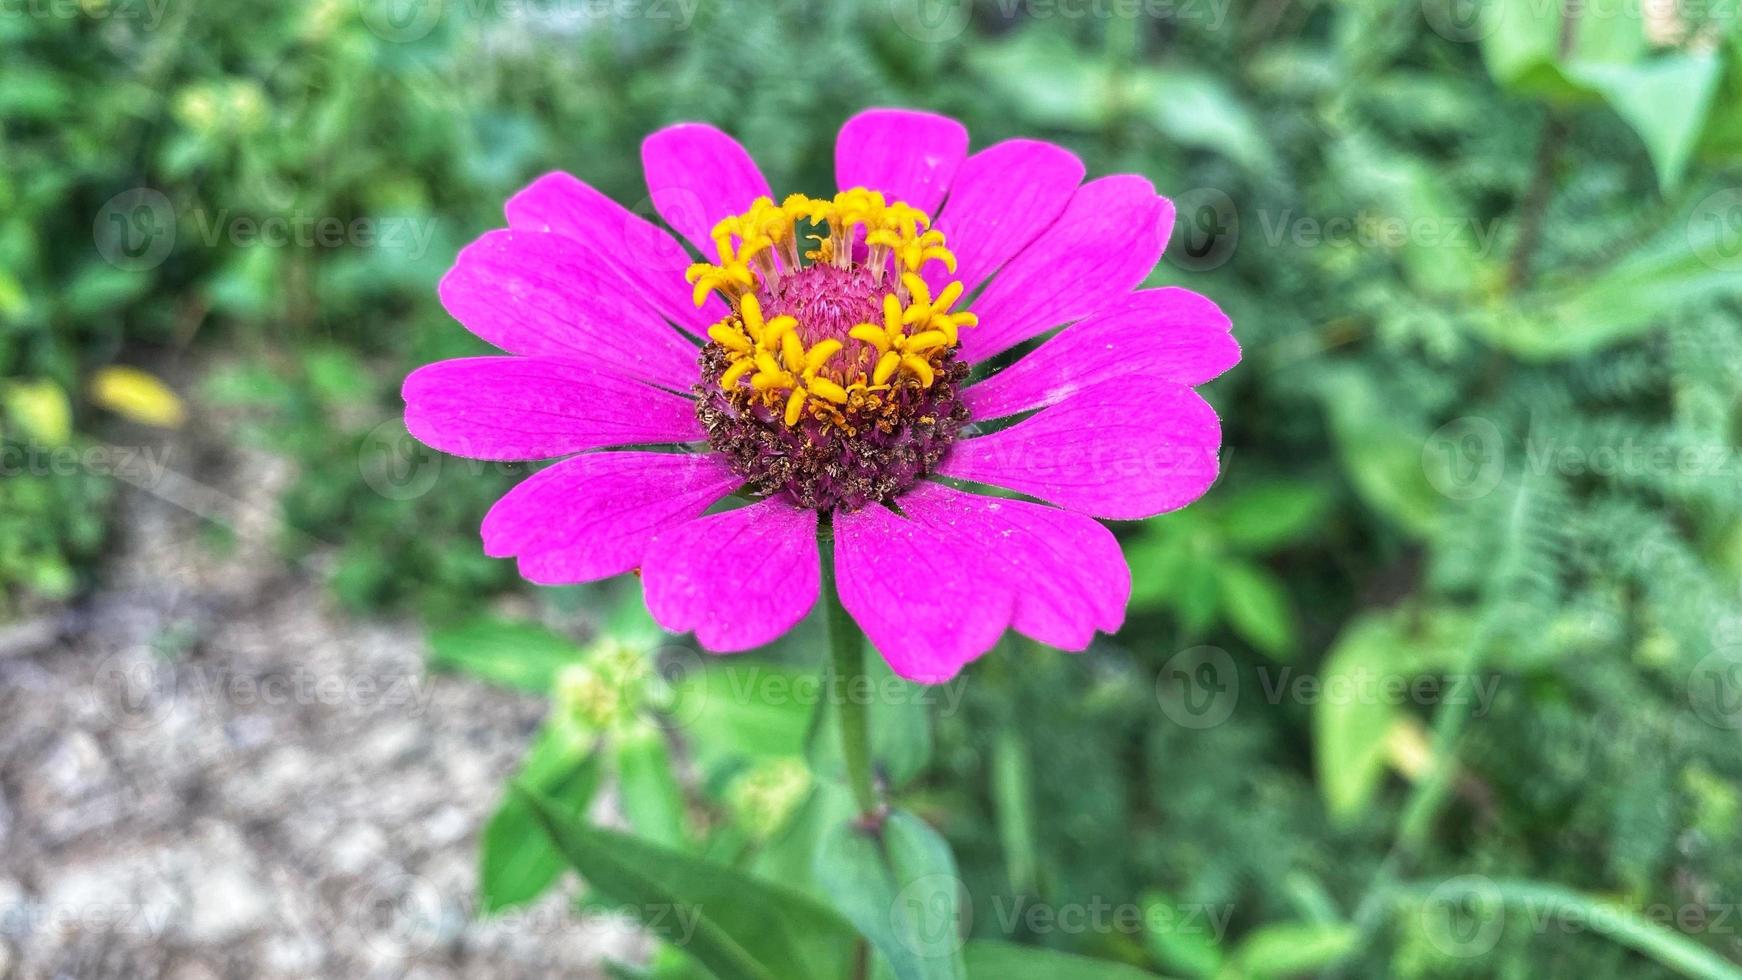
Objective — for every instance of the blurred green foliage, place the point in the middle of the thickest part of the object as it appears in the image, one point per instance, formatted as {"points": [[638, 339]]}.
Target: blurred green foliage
{"points": [[1484, 263]]}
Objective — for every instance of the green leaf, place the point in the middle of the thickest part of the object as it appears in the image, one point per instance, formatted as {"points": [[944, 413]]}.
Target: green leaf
{"points": [[1353, 716], [1013, 804], [1287, 949], [1195, 109], [39, 408], [1160, 560], [505, 652], [988, 960], [517, 859], [1579, 314], [1349, 733], [790, 858], [1192, 949], [1382, 459], [1258, 608], [738, 926], [652, 801], [1267, 515], [1522, 46], [1044, 76], [1666, 100], [902, 892], [1672, 949]]}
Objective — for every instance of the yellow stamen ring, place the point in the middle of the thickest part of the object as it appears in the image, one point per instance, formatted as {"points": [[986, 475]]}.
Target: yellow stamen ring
{"points": [[761, 245]]}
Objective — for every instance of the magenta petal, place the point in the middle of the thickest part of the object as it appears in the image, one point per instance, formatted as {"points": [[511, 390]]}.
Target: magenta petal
{"points": [[644, 254], [522, 408], [1122, 450], [1067, 572], [1106, 241], [1169, 334], [1000, 199], [929, 602], [538, 293], [740, 578], [909, 156], [592, 516], [698, 175]]}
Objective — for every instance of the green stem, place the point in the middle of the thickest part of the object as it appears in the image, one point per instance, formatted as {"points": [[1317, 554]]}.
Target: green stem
{"points": [[847, 685]]}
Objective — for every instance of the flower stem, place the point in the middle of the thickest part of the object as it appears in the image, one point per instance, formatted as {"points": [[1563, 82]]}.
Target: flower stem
{"points": [[847, 685]]}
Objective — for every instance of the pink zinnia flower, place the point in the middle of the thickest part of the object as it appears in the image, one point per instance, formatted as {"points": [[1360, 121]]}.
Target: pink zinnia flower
{"points": [[818, 362]]}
